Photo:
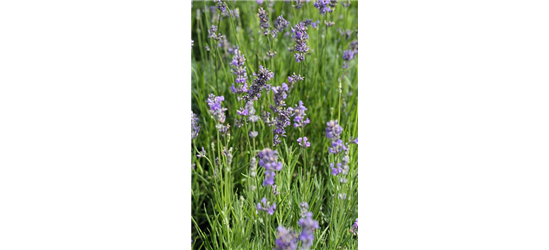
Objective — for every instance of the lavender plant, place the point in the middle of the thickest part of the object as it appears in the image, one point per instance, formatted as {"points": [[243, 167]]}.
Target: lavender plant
{"points": [[274, 124]]}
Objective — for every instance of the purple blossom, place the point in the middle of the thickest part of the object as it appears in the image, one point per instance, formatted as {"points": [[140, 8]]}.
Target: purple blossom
{"points": [[201, 153], [220, 5], [299, 115], [348, 55], [280, 94], [239, 69], [268, 160], [300, 36], [263, 21], [354, 229], [322, 6], [298, 4], [355, 141], [303, 142], [259, 2], [336, 171], [217, 111], [308, 225], [333, 130], [253, 134], [337, 147], [275, 190], [279, 25], [282, 120], [212, 33], [286, 240], [294, 78], [195, 127], [259, 83], [266, 206]]}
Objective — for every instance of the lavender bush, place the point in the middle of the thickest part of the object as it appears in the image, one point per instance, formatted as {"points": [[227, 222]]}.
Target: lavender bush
{"points": [[274, 124]]}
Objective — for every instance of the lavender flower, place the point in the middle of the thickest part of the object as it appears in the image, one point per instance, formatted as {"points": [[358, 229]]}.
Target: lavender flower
{"points": [[216, 110], [195, 127], [300, 36], [294, 78], [336, 171], [342, 196], [220, 5], [333, 130], [354, 229], [259, 2], [212, 33], [287, 239], [239, 70], [348, 55], [280, 94], [281, 122], [263, 21], [253, 134], [354, 140], [308, 225], [333, 4], [304, 206], [337, 147], [275, 190], [299, 115], [329, 24], [201, 153], [266, 206], [298, 4], [268, 160], [322, 6], [259, 83], [303, 142], [279, 25]]}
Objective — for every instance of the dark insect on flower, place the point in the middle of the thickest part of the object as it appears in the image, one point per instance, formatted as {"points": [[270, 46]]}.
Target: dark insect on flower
{"points": [[333, 4], [259, 83]]}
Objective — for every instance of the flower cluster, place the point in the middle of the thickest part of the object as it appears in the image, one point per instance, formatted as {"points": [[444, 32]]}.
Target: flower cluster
{"points": [[279, 25], [263, 21], [220, 5], [300, 36], [286, 240], [299, 116], [323, 6], [268, 160], [265, 206], [354, 229], [294, 78], [239, 69], [308, 225], [195, 127], [259, 83], [212, 33], [303, 142], [217, 111]]}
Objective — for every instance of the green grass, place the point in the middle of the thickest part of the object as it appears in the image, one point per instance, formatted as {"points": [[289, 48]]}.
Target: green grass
{"points": [[224, 195]]}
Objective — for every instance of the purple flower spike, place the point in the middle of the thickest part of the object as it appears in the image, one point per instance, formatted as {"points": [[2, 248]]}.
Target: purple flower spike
{"points": [[299, 116], [287, 239], [322, 6], [308, 225], [268, 160], [266, 207], [195, 127], [299, 34], [333, 130], [336, 171], [217, 111], [303, 142]]}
